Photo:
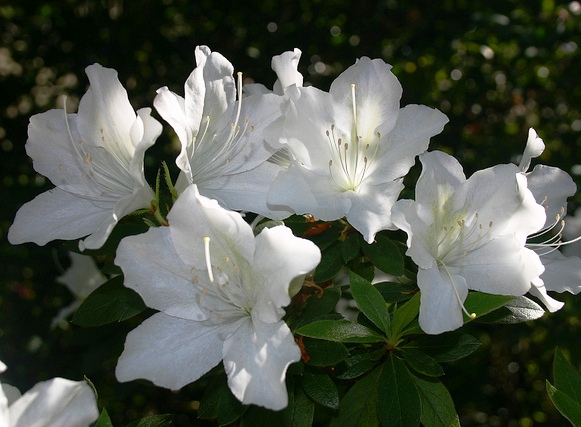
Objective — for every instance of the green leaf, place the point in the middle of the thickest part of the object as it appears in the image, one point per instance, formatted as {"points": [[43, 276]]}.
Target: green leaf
{"points": [[340, 331], [317, 305], [110, 302], [565, 404], [104, 420], [395, 292], [357, 364], [398, 401], [385, 255], [257, 416], [219, 402], [331, 263], [127, 227], [404, 314], [446, 347], [302, 410], [153, 421], [350, 247], [358, 408], [437, 405], [321, 389], [567, 379], [422, 363], [482, 303], [522, 309], [324, 353], [362, 267], [369, 301]]}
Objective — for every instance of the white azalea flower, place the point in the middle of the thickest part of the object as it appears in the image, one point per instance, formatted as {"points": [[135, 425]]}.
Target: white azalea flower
{"points": [[551, 188], [350, 147], [468, 234], [220, 293], [223, 150], [81, 278], [95, 159], [56, 402]]}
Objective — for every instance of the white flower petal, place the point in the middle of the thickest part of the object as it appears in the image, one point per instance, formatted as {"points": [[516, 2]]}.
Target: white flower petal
{"points": [[257, 369], [56, 214], [561, 273], [279, 258], [153, 269], [285, 66], [377, 94], [538, 290], [534, 148], [440, 310], [171, 352], [57, 402]]}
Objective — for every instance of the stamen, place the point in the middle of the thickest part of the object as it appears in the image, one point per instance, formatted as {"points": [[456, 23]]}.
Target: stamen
{"points": [[470, 315], [208, 261]]}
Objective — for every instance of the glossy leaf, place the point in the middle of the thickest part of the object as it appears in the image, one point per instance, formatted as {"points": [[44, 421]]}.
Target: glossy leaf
{"points": [[398, 402], [111, 302], [437, 405], [446, 347], [358, 408], [422, 363], [340, 331], [350, 247], [404, 314], [331, 263], [219, 402], [567, 379], [385, 255], [324, 353], [321, 388], [369, 301], [357, 364], [153, 421], [317, 305], [482, 303], [566, 405], [104, 420]]}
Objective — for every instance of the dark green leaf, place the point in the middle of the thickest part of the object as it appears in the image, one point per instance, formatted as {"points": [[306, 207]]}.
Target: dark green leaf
{"points": [[398, 402], [395, 292], [317, 305], [567, 379], [404, 314], [104, 420], [437, 405], [369, 301], [153, 421], [340, 331], [324, 353], [358, 408], [331, 263], [357, 364], [482, 303], [522, 309], [446, 347], [362, 267], [385, 255], [350, 247], [422, 363], [111, 302], [257, 416], [321, 389], [565, 404], [303, 409], [219, 402], [129, 226]]}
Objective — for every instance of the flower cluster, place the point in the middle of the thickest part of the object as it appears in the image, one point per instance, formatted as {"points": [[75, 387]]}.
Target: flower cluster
{"points": [[263, 175]]}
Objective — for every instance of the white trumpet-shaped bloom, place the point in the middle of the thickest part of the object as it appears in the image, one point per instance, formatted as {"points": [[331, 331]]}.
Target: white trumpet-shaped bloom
{"points": [[551, 188], [220, 292], [223, 150], [95, 159], [350, 147], [468, 234], [56, 402]]}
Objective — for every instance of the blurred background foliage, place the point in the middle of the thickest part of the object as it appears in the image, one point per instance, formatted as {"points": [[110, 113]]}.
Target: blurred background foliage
{"points": [[495, 67]]}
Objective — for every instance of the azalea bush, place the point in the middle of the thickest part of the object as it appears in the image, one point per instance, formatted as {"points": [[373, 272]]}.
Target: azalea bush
{"points": [[282, 268], [308, 252]]}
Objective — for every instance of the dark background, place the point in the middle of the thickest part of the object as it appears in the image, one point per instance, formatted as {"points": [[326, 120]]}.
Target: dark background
{"points": [[495, 67]]}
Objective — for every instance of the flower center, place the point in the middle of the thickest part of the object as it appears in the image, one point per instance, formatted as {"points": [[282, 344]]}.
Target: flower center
{"points": [[351, 158], [212, 150]]}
